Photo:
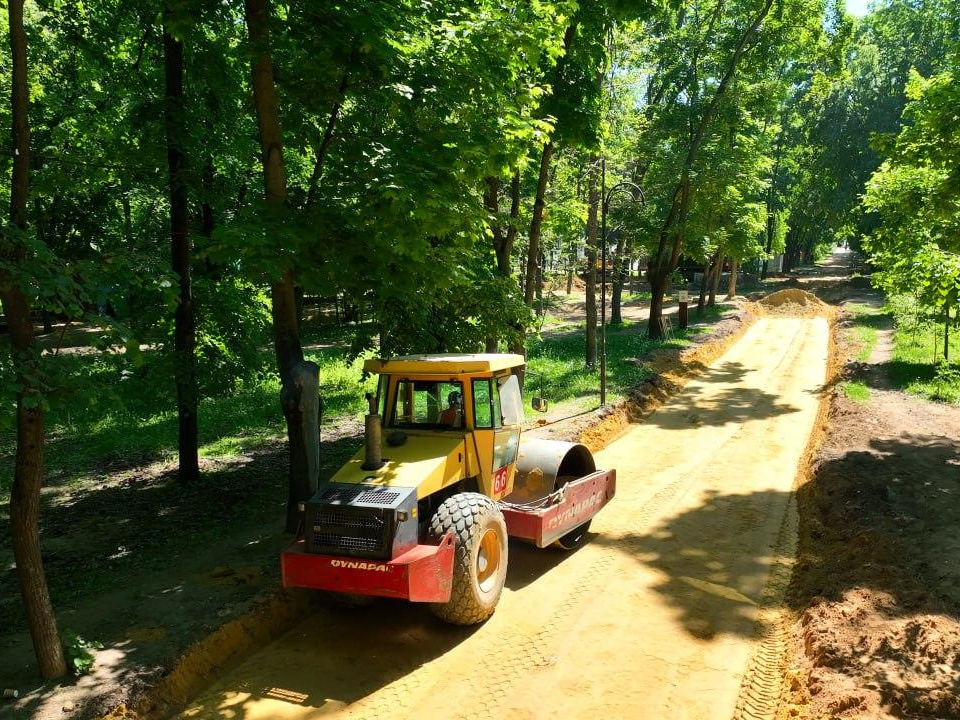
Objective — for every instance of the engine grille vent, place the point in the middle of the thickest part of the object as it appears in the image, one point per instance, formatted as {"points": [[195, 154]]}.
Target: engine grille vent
{"points": [[341, 494], [345, 543], [349, 519], [359, 494], [352, 530], [382, 497]]}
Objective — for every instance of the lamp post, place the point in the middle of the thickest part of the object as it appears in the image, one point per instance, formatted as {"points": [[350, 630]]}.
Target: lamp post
{"points": [[636, 195]]}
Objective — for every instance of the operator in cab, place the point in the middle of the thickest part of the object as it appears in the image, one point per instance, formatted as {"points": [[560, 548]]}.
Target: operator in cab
{"points": [[454, 412]]}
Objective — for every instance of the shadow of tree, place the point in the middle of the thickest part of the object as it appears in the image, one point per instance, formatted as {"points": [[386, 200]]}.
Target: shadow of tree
{"points": [[338, 656], [878, 576], [733, 406], [897, 504], [709, 572]]}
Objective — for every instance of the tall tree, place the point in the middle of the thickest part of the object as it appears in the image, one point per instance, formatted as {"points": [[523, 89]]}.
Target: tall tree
{"points": [[533, 270], [184, 332], [28, 470], [286, 326], [722, 53], [915, 196]]}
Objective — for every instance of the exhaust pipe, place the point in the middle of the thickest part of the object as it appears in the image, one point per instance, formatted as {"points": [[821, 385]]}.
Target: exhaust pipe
{"points": [[372, 434]]}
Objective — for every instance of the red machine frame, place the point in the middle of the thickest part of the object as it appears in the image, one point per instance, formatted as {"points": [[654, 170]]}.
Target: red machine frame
{"points": [[582, 499], [425, 572]]}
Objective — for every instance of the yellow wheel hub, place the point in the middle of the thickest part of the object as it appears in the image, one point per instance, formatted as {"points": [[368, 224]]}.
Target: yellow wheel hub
{"points": [[488, 560]]}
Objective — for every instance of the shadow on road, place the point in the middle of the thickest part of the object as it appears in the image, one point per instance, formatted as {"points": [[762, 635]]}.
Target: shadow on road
{"points": [[341, 655], [879, 548], [706, 560], [728, 407]]}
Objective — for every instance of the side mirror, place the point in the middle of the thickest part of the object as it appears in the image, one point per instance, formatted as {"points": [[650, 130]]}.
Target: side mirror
{"points": [[539, 404]]}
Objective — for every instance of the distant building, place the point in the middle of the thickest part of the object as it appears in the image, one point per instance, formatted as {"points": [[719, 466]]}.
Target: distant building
{"points": [[775, 264]]}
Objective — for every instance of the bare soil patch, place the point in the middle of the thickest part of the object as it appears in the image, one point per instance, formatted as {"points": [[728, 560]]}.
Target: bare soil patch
{"points": [[877, 583]]}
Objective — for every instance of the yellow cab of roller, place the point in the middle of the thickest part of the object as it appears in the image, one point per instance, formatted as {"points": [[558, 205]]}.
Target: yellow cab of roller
{"points": [[446, 418]]}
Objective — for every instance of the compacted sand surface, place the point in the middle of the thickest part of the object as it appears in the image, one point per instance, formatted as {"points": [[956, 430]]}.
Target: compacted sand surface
{"points": [[665, 613]]}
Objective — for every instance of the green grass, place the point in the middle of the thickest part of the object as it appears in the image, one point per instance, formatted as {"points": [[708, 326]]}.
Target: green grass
{"points": [[639, 296], [912, 367], [856, 391], [916, 363], [105, 420]]}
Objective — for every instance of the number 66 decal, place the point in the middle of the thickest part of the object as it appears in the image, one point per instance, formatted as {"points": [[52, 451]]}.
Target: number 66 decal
{"points": [[500, 480]]}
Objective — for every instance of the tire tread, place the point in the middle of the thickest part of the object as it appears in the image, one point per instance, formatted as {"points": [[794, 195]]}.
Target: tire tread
{"points": [[463, 514]]}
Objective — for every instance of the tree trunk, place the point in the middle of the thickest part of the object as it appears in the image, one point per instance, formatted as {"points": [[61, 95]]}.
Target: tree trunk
{"points": [[28, 463], [769, 248], [658, 287], [321, 153], [715, 281], [536, 223], [946, 333], [491, 200], [502, 240], [517, 345], [538, 292], [702, 299], [503, 257], [593, 199], [570, 268], [184, 330], [286, 334], [621, 272], [732, 282]]}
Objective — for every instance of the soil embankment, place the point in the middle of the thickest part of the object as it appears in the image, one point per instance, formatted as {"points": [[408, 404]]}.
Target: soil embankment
{"points": [[877, 583]]}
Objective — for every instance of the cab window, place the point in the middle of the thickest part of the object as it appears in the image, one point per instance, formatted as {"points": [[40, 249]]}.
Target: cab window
{"points": [[511, 404], [428, 404], [486, 405]]}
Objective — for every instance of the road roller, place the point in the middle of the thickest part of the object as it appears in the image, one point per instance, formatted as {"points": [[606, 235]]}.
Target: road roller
{"points": [[423, 512]]}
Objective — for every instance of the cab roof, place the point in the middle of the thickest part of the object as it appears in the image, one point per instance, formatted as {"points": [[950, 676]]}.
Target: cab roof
{"points": [[444, 363]]}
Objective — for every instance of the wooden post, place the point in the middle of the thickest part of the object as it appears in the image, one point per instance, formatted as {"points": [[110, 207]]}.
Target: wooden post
{"points": [[946, 333]]}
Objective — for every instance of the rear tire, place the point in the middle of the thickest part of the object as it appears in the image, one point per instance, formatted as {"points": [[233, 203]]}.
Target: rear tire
{"points": [[480, 557]]}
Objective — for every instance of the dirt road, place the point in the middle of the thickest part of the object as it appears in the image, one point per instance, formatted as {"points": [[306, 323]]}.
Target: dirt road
{"points": [[658, 616]]}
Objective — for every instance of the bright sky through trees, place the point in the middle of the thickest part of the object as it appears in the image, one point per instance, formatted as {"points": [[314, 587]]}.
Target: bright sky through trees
{"points": [[857, 7]]}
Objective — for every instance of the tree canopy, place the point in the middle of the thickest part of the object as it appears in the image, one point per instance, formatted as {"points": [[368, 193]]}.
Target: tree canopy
{"points": [[188, 178]]}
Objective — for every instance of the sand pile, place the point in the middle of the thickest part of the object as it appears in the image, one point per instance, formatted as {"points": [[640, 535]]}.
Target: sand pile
{"points": [[558, 284], [793, 302]]}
